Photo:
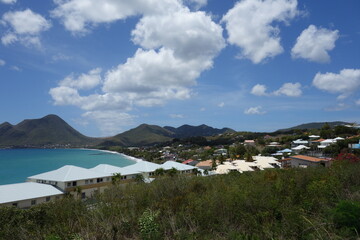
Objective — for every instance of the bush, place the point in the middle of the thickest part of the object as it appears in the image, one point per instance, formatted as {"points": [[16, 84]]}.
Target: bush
{"points": [[347, 214]]}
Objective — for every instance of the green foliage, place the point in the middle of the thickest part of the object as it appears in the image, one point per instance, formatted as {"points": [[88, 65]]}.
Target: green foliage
{"points": [[276, 204], [149, 228], [347, 214]]}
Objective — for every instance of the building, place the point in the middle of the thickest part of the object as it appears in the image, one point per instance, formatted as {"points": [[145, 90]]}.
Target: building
{"points": [[25, 195], [307, 161], [299, 142], [249, 143], [74, 180]]}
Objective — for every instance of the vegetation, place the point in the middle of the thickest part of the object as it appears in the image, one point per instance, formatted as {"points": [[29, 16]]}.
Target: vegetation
{"points": [[314, 203]]}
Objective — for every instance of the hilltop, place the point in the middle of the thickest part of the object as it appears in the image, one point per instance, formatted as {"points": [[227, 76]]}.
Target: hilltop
{"points": [[49, 130]]}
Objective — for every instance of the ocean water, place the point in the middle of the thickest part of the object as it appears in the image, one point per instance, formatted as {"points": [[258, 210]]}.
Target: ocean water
{"points": [[18, 164]]}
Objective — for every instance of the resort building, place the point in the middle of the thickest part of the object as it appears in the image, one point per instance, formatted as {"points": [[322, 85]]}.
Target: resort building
{"points": [[25, 195], [74, 180]]}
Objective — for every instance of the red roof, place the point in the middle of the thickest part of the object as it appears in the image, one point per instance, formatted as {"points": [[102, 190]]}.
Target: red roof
{"points": [[187, 161], [308, 158]]}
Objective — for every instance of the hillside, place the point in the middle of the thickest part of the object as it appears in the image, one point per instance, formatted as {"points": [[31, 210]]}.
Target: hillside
{"points": [[142, 135], [191, 131], [49, 130], [313, 125]]}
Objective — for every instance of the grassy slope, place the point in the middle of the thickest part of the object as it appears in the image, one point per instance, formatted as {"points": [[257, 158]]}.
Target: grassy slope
{"points": [[280, 204]]}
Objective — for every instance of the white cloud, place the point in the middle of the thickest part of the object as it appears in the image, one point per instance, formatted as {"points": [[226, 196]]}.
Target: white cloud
{"points": [[110, 122], [16, 68], [9, 38], [289, 89], [2, 62], [358, 102], [259, 90], [250, 26], [254, 111], [337, 107], [24, 26], [176, 46], [79, 16], [84, 81], [222, 104], [8, 1], [314, 43], [60, 57], [346, 82], [202, 109], [176, 116]]}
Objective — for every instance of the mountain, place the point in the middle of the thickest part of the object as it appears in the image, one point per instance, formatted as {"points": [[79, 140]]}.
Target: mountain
{"points": [[141, 136], [195, 131], [49, 130], [145, 135], [313, 125]]}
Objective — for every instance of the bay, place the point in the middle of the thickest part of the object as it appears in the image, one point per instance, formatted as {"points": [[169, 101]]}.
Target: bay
{"points": [[18, 164]]}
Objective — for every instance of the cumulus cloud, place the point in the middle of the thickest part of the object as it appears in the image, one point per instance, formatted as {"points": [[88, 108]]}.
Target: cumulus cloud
{"points": [[24, 26], [2, 62], [314, 43], [110, 122], [250, 25], [287, 89], [175, 46], [8, 1], [79, 16], [254, 111], [346, 82], [259, 90], [84, 81]]}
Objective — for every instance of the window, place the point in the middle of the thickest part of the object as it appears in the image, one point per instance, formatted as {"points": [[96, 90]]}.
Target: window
{"points": [[69, 184], [33, 202], [123, 177], [91, 181], [15, 204], [108, 179], [99, 180], [48, 199], [86, 181], [74, 183]]}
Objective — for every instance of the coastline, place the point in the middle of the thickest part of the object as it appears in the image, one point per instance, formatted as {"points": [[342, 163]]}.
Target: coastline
{"points": [[113, 152]]}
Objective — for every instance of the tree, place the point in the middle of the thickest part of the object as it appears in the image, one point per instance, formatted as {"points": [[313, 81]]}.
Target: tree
{"points": [[116, 178], [248, 157], [160, 172], [172, 172], [139, 178], [326, 131]]}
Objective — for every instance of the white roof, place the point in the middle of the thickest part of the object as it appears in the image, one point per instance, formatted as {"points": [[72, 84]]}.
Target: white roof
{"points": [[224, 169], [28, 190], [110, 169], [328, 141], [339, 138], [243, 166], [178, 166], [69, 173], [300, 147], [314, 136], [265, 162], [142, 166], [286, 150], [300, 141]]}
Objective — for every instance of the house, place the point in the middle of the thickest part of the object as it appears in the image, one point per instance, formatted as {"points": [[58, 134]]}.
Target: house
{"points": [[325, 143], [74, 180], [182, 168], [300, 148], [221, 151], [249, 142], [299, 142], [25, 195], [354, 145], [125, 175], [307, 161], [147, 169], [274, 144], [266, 162], [313, 137], [206, 165]]}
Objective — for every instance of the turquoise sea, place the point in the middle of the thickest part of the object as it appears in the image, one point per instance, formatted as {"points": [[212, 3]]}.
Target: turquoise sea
{"points": [[18, 164]]}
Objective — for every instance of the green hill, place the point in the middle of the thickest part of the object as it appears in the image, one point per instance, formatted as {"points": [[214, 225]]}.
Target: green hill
{"points": [[49, 130], [197, 131], [142, 135], [313, 125]]}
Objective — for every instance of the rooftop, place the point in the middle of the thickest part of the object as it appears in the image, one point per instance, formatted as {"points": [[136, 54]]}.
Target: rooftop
{"points": [[308, 158], [68, 173], [28, 190]]}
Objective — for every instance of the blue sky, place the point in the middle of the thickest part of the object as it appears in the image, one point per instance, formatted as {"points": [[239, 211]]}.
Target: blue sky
{"points": [[108, 66]]}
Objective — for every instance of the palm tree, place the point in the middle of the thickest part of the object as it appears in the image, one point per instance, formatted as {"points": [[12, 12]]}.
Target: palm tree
{"points": [[172, 172], [116, 178], [139, 178], [160, 172]]}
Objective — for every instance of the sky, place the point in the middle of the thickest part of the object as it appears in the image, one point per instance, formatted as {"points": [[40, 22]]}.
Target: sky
{"points": [[250, 65]]}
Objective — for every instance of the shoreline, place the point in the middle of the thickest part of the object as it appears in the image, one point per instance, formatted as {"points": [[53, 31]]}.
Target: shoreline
{"points": [[113, 152]]}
